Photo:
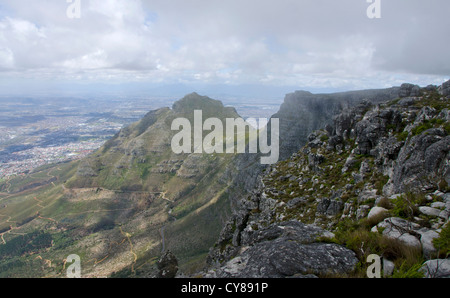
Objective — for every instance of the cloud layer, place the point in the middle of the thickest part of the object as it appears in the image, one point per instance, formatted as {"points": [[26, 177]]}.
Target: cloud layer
{"points": [[288, 42]]}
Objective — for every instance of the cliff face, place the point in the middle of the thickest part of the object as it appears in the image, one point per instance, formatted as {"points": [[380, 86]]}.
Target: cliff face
{"points": [[376, 181], [303, 112]]}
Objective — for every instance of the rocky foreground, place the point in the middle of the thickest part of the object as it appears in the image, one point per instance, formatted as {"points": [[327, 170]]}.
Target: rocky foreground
{"points": [[374, 182]]}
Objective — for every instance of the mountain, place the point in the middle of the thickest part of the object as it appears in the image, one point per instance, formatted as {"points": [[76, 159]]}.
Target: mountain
{"points": [[121, 206], [376, 181], [134, 200]]}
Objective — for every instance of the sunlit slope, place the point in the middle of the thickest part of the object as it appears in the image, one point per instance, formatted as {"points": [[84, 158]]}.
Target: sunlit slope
{"points": [[118, 208]]}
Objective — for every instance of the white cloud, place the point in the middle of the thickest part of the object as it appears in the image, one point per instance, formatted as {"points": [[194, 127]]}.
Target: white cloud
{"points": [[287, 42]]}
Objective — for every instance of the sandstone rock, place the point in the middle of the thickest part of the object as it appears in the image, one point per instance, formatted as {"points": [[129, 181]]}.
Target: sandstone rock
{"points": [[408, 101], [438, 205], [429, 211], [330, 207], [444, 214], [388, 267], [409, 90], [401, 229], [293, 252], [444, 89], [424, 157], [426, 240], [375, 211], [437, 268], [373, 127]]}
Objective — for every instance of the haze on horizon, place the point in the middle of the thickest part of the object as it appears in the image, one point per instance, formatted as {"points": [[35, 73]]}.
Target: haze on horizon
{"points": [[242, 47]]}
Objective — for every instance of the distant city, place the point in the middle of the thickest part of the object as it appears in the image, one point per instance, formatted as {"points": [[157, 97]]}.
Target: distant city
{"points": [[38, 131]]}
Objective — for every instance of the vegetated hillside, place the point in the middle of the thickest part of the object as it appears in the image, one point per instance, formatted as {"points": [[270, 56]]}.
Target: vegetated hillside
{"points": [[120, 207], [374, 182]]}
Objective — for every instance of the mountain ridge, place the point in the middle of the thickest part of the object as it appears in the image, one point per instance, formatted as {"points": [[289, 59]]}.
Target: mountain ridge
{"points": [[375, 182], [116, 207]]}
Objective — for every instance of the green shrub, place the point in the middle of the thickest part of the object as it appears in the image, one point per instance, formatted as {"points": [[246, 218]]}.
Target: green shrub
{"points": [[402, 136], [421, 128], [405, 206], [442, 243], [408, 271]]}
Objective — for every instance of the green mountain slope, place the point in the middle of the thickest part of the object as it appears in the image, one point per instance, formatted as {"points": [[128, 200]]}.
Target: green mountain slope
{"points": [[118, 208]]}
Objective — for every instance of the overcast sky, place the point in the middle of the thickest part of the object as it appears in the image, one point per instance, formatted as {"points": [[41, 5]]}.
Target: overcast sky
{"points": [[307, 44]]}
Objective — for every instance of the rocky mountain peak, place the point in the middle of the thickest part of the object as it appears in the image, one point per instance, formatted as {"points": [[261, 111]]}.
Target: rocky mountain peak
{"points": [[209, 107]]}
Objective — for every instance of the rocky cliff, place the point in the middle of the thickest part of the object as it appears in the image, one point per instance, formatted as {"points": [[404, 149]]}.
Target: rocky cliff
{"points": [[300, 114], [376, 181]]}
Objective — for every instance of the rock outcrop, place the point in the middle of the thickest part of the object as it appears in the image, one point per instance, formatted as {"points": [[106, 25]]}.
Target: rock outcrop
{"points": [[380, 167], [444, 89], [167, 265]]}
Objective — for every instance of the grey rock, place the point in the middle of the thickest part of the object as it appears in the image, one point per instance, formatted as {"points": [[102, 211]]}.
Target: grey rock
{"points": [[445, 214], [437, 268], [293, 253], [373, 127], [303, 112], [330, 207], [444, 89], [421, 160], [426, 240], [409, 90], [401, 229], [294, 203], [429, 211], [408, 101], [438, 205], [388, 267], [375, 211]]}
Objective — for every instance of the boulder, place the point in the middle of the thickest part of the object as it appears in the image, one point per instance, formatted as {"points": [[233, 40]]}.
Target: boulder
{"points": [[401, 229], [388, 267], [167, 265], [430, 211], [437, 268], [444, 89], [426, 240], [375, 211], [409, 90], [293, 251], [330, 207]]}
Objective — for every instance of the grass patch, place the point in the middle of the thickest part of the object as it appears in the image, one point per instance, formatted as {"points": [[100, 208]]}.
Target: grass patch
{"points": [[442, 243], [357, 237]]}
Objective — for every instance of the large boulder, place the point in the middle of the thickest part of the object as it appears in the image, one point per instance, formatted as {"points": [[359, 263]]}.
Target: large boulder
{"points": [[438, 268], [290, 249], [423, 160]]}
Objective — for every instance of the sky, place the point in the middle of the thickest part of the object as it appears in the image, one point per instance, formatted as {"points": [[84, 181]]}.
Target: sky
{"points": [[254, 46]]}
